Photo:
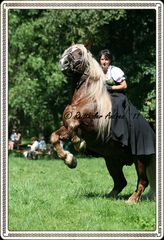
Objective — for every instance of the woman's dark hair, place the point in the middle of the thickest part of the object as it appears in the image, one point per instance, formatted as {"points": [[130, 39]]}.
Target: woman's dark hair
{"points": [[107, 53]]}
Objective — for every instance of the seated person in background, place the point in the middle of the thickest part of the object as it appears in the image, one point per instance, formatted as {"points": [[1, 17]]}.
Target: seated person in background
{"points": [[18, 137], [12, 140], [15, 139], [42, 144], [33, 148]]}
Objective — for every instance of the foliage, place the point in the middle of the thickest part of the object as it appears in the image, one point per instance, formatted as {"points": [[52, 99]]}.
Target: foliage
{"points": [[38, 91], [74, 200]]}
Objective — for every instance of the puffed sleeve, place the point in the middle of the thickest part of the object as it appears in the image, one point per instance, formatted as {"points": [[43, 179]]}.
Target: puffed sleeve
{"points": [[117, 74]]}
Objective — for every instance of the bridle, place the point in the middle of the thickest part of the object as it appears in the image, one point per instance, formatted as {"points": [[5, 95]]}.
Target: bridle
{"points": [[76, 65]]}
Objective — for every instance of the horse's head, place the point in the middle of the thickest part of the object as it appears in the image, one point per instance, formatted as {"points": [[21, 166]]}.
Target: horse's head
{"points": [[72, 61]]}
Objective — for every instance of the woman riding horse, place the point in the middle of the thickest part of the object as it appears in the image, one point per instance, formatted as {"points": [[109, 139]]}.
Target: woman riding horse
{"points": [[128, 126], [89, 116]]}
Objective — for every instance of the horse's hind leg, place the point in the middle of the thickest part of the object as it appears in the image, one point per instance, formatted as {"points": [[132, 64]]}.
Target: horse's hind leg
{"points": [[115, 170], [151, 174], [142, 181], [56, 139]]}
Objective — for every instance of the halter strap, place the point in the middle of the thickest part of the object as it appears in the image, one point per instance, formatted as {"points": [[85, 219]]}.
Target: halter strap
{"points": [[82, 80]]}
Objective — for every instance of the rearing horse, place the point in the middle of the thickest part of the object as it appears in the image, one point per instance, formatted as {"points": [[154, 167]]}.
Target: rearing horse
{"points": [[88, 118]]}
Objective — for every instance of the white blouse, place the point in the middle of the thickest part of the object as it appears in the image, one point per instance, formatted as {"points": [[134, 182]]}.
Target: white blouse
{"points": [[115, 73], [35, 146]]}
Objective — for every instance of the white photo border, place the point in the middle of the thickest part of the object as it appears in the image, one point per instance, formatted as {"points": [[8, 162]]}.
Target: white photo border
{"points": [[7, 5]]}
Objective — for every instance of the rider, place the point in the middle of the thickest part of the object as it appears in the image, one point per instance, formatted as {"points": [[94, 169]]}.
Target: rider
{"points": [[127, 125], [116, 85], [114, 76]]}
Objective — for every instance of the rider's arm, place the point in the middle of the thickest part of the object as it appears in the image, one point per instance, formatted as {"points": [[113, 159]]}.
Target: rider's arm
{"points": [[122, 86]]}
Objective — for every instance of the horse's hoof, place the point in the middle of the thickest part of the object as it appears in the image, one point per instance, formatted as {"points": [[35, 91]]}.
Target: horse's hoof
{"points": [[82, 145], [70, 160], [151, 196], [112, 194], [133, 199], [73, 165]]}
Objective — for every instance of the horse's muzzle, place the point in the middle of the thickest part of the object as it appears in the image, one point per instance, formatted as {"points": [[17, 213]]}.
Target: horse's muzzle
{"points": [[64, 63]]}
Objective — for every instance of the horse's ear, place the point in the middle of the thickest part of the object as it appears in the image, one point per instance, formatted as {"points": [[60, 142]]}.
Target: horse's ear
{"points": [[88, 45]]}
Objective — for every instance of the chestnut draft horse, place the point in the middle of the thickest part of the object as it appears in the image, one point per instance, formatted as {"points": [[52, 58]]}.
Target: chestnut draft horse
{"points": [[86, 120]]}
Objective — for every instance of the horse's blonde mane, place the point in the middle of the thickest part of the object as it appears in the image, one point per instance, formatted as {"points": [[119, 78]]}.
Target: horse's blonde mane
{"points": [[97, 91]]}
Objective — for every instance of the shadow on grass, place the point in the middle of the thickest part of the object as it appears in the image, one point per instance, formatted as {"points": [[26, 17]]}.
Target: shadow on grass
{"points": [[124, 197], [101, 195]]}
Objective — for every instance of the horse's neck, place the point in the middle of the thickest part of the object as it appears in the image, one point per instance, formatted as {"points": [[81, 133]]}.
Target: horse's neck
{"points": [[79, 91]]}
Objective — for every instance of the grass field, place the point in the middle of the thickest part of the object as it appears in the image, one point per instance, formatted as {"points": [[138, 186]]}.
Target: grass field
{"points": [[45, 195]]}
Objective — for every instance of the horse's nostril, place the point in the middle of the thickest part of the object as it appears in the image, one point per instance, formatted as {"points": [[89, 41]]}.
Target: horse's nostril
{"points": [[66, 62]]}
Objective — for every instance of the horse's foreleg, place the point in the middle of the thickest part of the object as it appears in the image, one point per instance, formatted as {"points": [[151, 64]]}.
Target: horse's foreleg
{"points": [[78, 143], [57, 137], [115, 170], [142, 181]]}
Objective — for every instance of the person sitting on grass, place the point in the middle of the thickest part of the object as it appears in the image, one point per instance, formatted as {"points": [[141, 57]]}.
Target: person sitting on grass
{"points": [[42, 144], [31, 153], [15, 139]]}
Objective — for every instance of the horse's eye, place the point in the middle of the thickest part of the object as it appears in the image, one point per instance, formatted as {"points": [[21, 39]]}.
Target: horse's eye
{"points": [[80, 53], [77, 53]]}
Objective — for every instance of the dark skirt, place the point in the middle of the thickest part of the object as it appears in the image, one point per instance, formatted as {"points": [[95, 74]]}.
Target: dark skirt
{"points": [[130, 128]]}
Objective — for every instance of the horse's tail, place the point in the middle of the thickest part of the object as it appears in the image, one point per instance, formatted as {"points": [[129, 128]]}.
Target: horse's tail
{"points": [[151, 174]]}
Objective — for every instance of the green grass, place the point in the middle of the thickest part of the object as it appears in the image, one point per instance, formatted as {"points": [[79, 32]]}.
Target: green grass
{"points": [[47, 195]]}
